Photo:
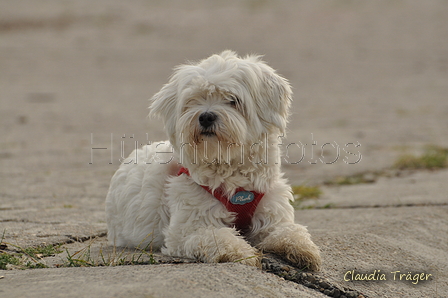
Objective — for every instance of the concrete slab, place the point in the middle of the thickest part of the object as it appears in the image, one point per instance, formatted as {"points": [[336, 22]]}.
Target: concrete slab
{"points": [[186, 280], [362, 240], [413, 189]]}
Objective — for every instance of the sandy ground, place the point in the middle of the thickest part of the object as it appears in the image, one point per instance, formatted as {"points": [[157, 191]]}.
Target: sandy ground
{"points": [[76, 75]]}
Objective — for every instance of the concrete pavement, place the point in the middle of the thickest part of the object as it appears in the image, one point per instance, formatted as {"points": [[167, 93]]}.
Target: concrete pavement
{"points": [[76, 75]]}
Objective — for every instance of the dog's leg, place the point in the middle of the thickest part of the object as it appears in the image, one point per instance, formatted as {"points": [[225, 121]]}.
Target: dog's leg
{"points": [[274, 230], [199, 229]]}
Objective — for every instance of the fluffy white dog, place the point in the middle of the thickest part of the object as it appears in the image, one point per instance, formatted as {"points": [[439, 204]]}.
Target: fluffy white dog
{"points": [[214, 191]]}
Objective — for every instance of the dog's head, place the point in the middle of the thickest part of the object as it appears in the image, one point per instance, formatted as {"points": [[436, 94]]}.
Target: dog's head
{"points": [[223, 98]]}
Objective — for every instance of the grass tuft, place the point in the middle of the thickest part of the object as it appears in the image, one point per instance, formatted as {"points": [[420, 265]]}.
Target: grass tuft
{"points": [[32, 257], [433, 157], [26, 258], [42, 251], [85, 258], [359, 178], [304, 192], [8, 259]]}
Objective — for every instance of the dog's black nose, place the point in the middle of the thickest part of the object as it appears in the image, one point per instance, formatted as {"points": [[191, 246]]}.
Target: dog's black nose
{"points": [[207, 119]]}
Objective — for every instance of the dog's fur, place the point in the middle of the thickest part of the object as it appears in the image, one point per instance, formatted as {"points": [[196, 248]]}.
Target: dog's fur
{"points": [[148, 204]]}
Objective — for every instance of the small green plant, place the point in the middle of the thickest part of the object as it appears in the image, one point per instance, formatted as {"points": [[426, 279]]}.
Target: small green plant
{"points": [[86, 258], [32, 265], [358, 178], [304, 192], [2, 245], [42, 251], [81, 258], [6, 259], [19, 261], [25, 258], [433, 157], [31, 257]]}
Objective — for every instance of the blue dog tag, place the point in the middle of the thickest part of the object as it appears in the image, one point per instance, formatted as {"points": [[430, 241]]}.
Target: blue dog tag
{"points": [[242, 197]]}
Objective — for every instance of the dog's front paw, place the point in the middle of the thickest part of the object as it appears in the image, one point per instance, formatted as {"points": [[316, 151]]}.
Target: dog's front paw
{"points": [[293, 242], [227, 247], [239, 254], [303, 255], [214, 245]]}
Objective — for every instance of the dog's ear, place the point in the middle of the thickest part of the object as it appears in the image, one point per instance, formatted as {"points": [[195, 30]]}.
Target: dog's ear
{"points": [[282, 99], [272, 94], [163, 102], [163, 105], [274, 109]]}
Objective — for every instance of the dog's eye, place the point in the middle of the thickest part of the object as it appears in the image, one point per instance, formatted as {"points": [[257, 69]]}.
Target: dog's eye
{"points": [[233, 100]]}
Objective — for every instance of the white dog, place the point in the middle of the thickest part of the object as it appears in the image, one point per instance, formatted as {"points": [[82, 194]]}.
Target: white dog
{"points": [[214, 191]]}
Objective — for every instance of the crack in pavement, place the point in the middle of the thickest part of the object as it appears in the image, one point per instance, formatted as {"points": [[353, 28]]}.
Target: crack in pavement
{"points": [[34, 222], [82, 239], [381, 206], [275, 265]]}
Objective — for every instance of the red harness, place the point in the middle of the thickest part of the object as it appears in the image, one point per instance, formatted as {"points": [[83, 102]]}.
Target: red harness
{"points": [[243, 203]]}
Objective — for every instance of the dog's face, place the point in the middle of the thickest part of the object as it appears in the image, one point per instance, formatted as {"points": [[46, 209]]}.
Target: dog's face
{"points": [[223, 98]]}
